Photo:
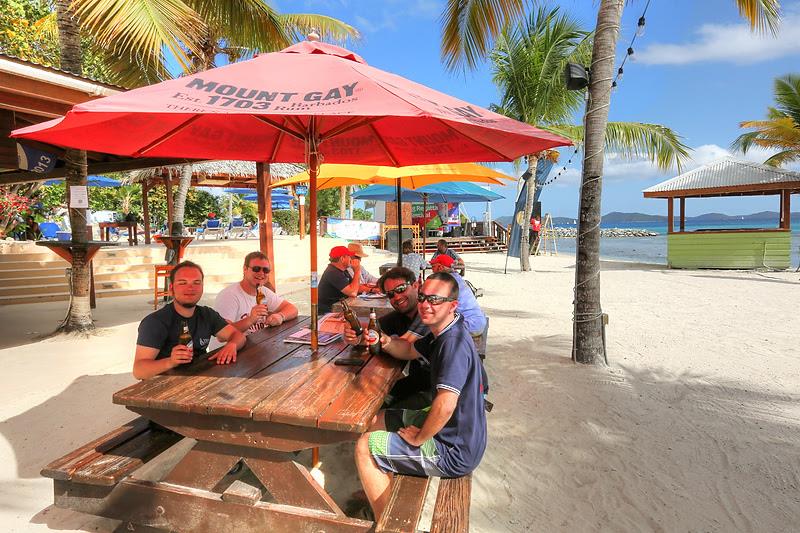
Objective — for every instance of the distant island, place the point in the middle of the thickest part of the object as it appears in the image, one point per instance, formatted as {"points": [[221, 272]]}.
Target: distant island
{"points": [[616, 217]]}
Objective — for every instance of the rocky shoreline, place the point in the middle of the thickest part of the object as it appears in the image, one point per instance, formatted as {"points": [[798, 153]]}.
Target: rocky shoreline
{"points": [[571, 233]]}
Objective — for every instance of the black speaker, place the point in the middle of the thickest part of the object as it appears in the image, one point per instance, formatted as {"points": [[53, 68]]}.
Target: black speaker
{"points": [[537, 209]]}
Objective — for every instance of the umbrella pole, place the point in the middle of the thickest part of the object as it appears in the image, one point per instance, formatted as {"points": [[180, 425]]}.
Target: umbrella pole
{"points": [[424, 225], [399, 226], [313, 167]]}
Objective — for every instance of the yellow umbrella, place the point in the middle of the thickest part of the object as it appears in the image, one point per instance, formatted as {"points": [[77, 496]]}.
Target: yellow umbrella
{"points": [[410, 177]]}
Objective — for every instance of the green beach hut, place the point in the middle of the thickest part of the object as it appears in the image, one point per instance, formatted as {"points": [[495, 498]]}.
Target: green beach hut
{"points": [[729, 247]]}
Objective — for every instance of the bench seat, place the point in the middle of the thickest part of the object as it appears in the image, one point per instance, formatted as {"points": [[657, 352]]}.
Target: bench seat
{"points": [[405, 505], [451, 513], [107, 460]]}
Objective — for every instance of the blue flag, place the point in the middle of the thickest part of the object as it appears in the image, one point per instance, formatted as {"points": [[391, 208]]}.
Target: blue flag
{"points": [[518, 224]]}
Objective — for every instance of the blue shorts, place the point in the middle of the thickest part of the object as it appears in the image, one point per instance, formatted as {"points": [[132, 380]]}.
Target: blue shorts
{"points": [[393, 454]]}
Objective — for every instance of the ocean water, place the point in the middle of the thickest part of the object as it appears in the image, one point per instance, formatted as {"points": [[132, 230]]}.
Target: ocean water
{"points": [[654, 249]]}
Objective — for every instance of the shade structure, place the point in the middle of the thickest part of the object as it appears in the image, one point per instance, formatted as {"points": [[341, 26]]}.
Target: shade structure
{"points": [[276, 198], [309, 102], [410, 177], [440, 192], [92, 181], [242, 190]]}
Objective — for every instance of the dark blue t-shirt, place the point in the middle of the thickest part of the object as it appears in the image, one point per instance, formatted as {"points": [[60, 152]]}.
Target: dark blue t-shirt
{"points": [[162, 328], [456, 367], [330, 288]]}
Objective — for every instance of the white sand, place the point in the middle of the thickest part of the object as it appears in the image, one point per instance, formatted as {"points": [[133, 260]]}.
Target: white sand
{"points": [[693, 426]]}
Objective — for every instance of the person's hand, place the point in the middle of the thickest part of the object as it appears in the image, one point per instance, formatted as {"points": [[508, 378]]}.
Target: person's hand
{"points": [[225, 355], [274, 319], [410, 434], [385, 340], [181, 354], [350, 336], [258, 312]]}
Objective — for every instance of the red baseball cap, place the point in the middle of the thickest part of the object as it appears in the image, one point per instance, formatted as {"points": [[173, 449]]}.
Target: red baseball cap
{"points": [[444, 260], [340, 251]]}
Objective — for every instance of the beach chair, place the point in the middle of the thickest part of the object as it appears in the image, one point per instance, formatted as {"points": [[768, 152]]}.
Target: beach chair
{"points": [[251, 231], [212, 227], [236, 228]]}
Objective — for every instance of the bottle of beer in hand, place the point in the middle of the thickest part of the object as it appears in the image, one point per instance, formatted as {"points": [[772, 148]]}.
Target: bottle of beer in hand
{"points": [[259, 295], [351, 318], [373, 333], [185, 337]]}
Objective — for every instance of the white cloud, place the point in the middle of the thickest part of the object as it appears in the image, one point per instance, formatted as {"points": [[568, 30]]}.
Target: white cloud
{"points": [[727, 43]]}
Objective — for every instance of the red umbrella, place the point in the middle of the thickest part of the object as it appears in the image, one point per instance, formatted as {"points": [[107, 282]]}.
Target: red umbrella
{"points": [[310, 102]]}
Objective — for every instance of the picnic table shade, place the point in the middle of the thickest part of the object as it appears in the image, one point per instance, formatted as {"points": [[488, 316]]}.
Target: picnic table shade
{"points": [[91, 181], [327, 103]]}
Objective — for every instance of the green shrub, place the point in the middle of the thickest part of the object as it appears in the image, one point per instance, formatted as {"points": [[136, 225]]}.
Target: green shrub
{"points": [[289, 219]]}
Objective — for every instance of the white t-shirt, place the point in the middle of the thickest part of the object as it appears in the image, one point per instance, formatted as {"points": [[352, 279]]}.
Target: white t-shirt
{"points": [[234, 304]]}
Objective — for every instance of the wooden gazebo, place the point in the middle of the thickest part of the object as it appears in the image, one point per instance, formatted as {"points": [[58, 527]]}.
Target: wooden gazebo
{"points": [[738, 248]]}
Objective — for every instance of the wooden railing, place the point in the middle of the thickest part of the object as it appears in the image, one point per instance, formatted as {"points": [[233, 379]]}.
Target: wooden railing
{"points": [[500, 232]]}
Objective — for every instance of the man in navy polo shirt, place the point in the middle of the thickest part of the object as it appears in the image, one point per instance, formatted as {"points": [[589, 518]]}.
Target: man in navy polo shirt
{"points": [[336, 283], [448, 438]]}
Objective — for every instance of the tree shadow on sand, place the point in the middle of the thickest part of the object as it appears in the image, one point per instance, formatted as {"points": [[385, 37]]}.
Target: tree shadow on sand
{"points": [[588, 448]]}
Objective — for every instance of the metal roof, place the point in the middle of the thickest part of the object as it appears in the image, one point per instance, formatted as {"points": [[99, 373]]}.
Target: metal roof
{"points": [[726, 176]]}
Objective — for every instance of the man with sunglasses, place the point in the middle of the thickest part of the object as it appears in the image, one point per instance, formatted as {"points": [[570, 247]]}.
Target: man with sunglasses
{"points": [[237, 303], [447, 439]]}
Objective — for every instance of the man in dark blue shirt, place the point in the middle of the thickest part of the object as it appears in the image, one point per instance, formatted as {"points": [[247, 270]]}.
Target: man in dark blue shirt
{"points": [[448, 438], [336, 282]]}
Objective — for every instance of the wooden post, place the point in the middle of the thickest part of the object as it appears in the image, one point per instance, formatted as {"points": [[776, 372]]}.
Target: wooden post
{"points": [[313, 169], [683, 214], [146, 211], [786, 211], [670, 215], [301, 206], [264, 194], [168, 186]]}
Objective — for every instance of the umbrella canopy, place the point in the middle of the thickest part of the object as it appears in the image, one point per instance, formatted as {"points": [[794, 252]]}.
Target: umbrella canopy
{"points": [[276, 198], [252, 191], [308, 102], [92, 181], [411, 177], [439, 192]]}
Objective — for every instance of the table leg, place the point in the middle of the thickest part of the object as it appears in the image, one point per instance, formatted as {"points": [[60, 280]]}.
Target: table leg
{"points": [[203, 467], [92, 297]]}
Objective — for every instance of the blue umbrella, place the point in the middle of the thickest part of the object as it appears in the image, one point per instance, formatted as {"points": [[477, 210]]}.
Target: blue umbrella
{"points": [[92, 181], [276, 197], [461, 191], [252, 191]]}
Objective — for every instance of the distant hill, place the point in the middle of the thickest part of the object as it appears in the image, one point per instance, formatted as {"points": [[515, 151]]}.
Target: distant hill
{"points": [[616, 217]]}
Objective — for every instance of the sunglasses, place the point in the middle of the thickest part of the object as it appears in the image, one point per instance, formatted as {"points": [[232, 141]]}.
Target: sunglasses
{"points": [[434, 299], [258, 269], [400, 289]]}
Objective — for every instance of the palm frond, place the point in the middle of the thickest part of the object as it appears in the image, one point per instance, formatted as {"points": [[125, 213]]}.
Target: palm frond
{"points": [[763, 15], [251, 24], [470, 26], [783, 157], [298, 25]]}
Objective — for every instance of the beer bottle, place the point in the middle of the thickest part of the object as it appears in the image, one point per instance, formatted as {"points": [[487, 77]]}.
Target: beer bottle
{"points": [[373, 334], [259, 295], [351, 318], [185, 337]]}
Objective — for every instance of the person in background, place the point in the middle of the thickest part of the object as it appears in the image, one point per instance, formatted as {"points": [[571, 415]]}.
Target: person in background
{"points": [[157, 346], [336, 282], [442, 249], [468, 306], [533, 236], [237, 303], [366, 281], [412, 260]]}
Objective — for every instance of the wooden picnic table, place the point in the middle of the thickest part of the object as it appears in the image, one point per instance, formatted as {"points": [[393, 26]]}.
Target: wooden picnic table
{"points": [[276, 399], [105, 231]]}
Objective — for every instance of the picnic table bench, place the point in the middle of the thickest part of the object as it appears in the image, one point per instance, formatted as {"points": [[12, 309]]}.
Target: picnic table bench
{"points": [[403, 511], [278, 398]]}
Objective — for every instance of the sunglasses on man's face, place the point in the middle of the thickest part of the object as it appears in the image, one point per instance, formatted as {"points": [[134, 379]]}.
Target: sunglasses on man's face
{"points": [[400, 289], [258, 269], [434, 299]]}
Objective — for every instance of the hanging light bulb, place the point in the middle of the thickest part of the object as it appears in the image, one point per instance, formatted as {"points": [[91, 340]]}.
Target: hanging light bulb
{"points": [[640, 27], [630, 54], [613, 87], [619, 74]]}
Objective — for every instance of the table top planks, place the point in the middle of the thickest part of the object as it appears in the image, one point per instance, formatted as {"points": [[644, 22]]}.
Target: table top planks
{"points": [[275, 381]]}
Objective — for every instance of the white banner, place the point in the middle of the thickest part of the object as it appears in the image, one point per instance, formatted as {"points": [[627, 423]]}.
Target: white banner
{"points": [[354, 230]]}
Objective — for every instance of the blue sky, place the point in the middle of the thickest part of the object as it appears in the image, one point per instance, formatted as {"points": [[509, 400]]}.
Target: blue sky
{"points": [[698, 70]]}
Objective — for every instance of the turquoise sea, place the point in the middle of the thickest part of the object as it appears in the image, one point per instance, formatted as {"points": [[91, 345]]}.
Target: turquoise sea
{"points": [[654, 249]]}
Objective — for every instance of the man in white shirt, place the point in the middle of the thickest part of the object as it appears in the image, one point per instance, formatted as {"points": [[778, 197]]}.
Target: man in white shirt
{"points": [[237, 303]]}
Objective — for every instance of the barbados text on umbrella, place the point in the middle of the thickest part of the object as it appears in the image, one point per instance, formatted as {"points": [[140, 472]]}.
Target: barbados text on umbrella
{"points": [[409, 177], [346, 112]]}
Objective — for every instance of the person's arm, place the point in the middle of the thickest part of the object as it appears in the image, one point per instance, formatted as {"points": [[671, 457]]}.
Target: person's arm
{"points": [[444, 404], [145, 364], [400, 347], [285, 311], [351, 289], [234, 341]]}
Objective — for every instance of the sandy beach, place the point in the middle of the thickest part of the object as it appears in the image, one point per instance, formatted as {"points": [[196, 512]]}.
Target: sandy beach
{"points": [[694, 425]]}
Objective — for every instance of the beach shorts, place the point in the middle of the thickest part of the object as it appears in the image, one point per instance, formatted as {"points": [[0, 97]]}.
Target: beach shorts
{"points": [[393, 454]]}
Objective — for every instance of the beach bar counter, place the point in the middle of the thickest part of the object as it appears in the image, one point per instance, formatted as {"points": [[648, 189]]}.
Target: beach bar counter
{"points": [[731, 247]]}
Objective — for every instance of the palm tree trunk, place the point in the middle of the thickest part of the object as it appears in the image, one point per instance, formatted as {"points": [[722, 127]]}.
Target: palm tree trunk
{"points": [[79, 316], [180, 200], [588, 336], [524, 247]]}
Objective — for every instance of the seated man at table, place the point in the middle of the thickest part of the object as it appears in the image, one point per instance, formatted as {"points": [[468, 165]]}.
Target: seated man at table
{"points": [[404, 325], [468, 307], [237, 303], [449, 438], [336, 283], [412, 260], [366, 281], [442, 249], [157, 346]]}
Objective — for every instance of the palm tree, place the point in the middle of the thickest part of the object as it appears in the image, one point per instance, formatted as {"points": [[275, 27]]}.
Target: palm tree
{"points": [[528, 64], [467, 31], [781, 129]]}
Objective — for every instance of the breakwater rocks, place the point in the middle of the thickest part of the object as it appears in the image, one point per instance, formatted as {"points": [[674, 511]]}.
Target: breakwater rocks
{"points": [[571, 233]]}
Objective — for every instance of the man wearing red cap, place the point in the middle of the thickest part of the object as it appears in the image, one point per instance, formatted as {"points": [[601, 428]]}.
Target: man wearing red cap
{"points": [[336, 283], [468, 306]]}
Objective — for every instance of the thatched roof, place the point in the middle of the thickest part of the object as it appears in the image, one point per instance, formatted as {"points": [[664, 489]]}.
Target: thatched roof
{"points": [[220, 173]]}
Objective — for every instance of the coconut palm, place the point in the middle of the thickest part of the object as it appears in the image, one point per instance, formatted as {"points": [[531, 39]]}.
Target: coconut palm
{"points": [[528, 63], [781, 129]]}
